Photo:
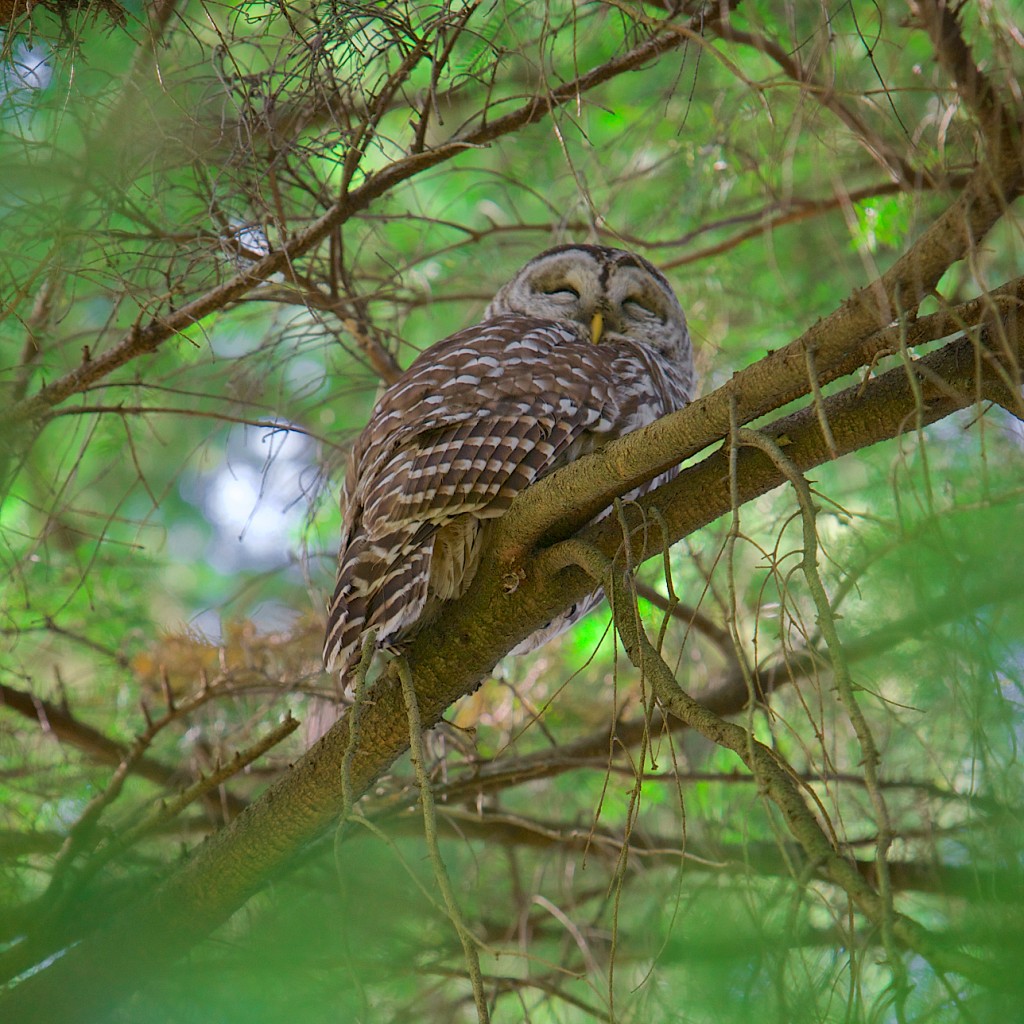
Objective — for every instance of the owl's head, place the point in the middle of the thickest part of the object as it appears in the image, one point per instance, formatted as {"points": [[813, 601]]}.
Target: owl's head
{"points": [[610, 291]]}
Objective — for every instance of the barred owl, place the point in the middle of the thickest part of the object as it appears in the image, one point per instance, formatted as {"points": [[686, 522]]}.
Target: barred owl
{"points": [[584, 344]]}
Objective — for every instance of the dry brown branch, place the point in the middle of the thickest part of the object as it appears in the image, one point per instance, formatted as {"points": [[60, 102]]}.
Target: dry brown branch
{"points": [[793, 213], [894, 163], [761, 858], [380, 359], [144, 339], [162, 815], [66, 728], [123, 409], [692, 617]]}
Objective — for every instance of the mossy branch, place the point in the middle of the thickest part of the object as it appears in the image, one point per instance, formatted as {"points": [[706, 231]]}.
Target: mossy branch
{"points": [[453, 656]]}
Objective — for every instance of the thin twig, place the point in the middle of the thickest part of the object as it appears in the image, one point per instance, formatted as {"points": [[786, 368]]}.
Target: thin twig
{"points": [[844, 684], [775, 775], [417, 755]]}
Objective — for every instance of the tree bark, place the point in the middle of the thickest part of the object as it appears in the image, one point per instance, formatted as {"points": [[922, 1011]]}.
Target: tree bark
{"points": [[455, 654]]}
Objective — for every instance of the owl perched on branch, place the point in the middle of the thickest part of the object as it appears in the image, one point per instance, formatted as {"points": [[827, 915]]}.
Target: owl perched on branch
{"points": [[584, 344]]}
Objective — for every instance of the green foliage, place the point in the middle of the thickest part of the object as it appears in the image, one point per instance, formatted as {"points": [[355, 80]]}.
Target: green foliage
{"points": [[167, 532]]}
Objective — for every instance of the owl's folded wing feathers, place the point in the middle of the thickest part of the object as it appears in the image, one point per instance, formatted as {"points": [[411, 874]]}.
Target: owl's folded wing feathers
{"points": [[422, 464]]}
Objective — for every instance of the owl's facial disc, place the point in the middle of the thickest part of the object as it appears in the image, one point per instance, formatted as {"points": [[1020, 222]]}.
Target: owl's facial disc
{"points": [[619, 299], [611, 294]]}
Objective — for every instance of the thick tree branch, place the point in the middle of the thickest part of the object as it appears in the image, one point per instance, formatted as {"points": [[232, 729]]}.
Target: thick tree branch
{"points": [[454, 655], [774, 381]]}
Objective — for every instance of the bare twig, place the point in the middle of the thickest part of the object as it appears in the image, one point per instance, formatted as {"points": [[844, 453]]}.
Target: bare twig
{"points": [[782, 375], [774, 774], [444, 882], [66, 728]]}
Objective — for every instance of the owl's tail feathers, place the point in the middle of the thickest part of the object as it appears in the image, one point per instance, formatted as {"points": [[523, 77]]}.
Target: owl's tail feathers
{"points": [[371, 593], [346, 615], [374, 592]]}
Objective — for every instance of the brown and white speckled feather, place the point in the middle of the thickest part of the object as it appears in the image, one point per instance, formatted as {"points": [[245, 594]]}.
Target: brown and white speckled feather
{"points": [[475, 420]]}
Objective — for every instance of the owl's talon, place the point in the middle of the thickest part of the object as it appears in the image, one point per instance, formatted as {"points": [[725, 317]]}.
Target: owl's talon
{"points": [[511, 580]]}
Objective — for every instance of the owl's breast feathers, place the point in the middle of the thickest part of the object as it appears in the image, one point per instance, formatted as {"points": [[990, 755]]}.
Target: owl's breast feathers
{"points": [[474, 420]]}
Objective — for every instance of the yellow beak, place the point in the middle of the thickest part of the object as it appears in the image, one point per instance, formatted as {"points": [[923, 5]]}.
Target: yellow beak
{"points": [[596, 327]]}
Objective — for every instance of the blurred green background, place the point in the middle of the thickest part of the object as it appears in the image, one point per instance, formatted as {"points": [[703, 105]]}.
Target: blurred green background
{"points": [[175, 524]]}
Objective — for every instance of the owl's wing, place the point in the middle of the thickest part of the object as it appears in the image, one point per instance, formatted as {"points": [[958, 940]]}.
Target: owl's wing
{"points": [[473, 466], [462, 432]]}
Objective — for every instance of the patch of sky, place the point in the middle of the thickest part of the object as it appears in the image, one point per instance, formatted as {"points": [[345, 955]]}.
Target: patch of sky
{"points": [[26, 73], [253, 498]]}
